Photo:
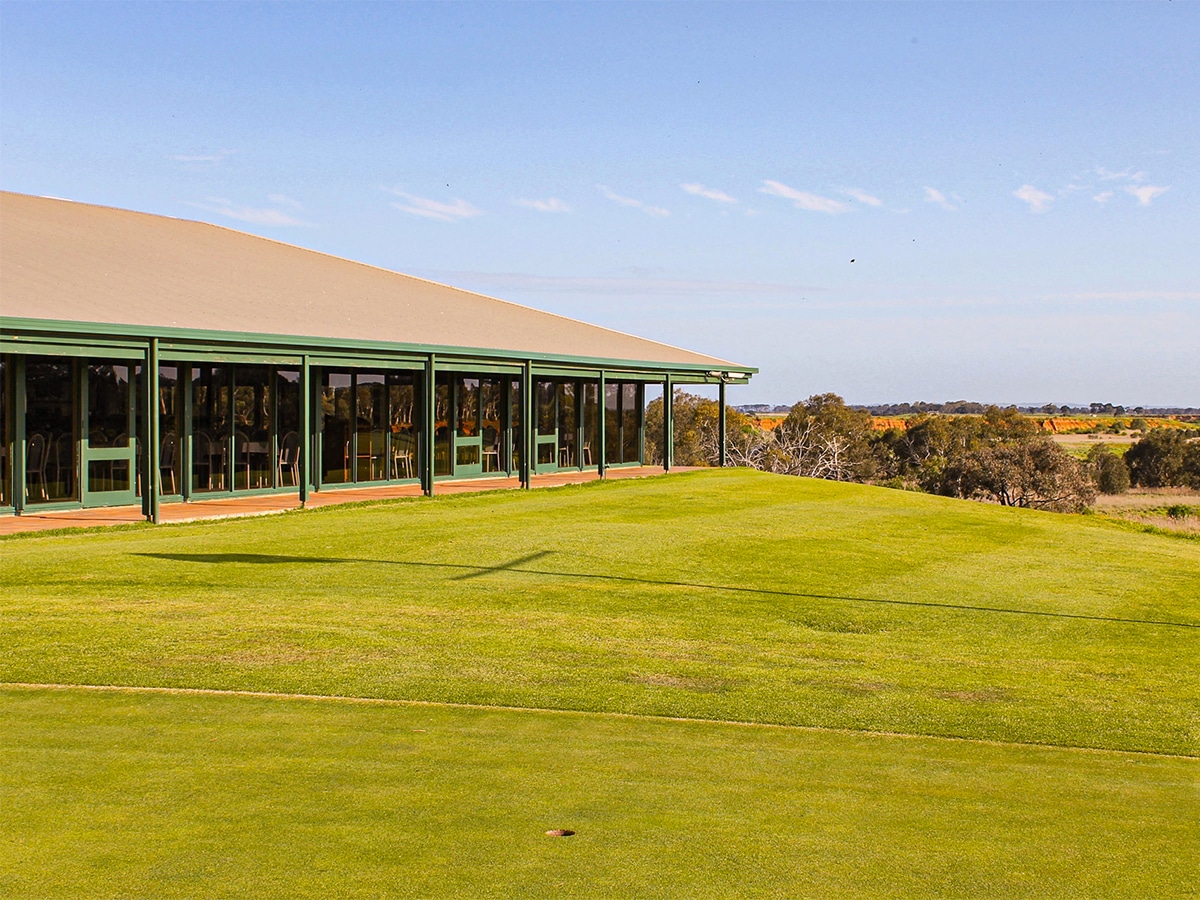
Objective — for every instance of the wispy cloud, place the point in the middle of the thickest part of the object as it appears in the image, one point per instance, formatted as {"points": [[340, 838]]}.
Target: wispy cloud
{"points": [[285, 200], [1127, 175], [656, 211], [1039, 201], [641, 282], [933, 195], [1145, 192], [255, 215], [711, 193], [434, 209], [549, 205], [1127, 296], [863, 197], [803, 199], [1103, 196], [199, 159]]}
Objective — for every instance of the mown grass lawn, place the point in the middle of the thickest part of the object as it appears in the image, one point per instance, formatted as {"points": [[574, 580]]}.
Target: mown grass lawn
{"points": [[732, 596]]}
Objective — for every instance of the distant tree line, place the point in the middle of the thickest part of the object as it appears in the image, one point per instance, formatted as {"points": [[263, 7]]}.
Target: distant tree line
{"points": [[996, 455], [970, 407]]}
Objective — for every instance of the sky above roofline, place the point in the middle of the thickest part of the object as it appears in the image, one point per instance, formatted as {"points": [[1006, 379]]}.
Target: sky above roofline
{"points": [[894, 202]]}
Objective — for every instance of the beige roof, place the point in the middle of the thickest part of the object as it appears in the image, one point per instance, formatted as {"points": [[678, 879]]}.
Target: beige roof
{"points": [[75, 262]]}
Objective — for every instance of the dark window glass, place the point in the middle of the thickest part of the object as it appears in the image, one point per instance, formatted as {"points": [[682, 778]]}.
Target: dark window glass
{"points": [[110, 398], [6, 450], [545, 409], [514, 401], [468, 407], [491, 403], [210, 428], [402, 406], [612, 423], [567, 424], [337, 408], [588, 450], [371, 416], [52, 444], [253, 450], [631, 419], [287, 428], [170, 428], [441, 421]]}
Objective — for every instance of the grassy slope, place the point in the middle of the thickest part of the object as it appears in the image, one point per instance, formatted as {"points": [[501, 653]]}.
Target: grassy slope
{"points": [[727, 595], [183, 796]]}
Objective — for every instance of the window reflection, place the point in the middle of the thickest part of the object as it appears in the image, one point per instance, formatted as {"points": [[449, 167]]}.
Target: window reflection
{"points": [[336, 408], [441, 426], [371, 419], [52, 444]]}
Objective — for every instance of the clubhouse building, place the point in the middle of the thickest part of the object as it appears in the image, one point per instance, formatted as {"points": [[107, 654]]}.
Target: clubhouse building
{"points": [[222, 364]]}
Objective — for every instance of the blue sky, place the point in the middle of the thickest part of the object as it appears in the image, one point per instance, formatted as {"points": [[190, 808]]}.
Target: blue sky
{"points": [[894, 202]]}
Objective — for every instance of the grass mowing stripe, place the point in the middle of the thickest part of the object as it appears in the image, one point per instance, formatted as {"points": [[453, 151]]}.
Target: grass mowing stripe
{"points": [[120, 795], [385, 701], [706, 595], [514, 566]]}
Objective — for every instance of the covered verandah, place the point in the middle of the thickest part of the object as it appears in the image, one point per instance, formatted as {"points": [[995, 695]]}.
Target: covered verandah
{"points": [[267, 504]]}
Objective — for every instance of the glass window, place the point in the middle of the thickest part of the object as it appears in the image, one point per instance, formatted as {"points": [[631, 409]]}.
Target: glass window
{"points": [[170, 417], [567, 424], [589, 450], [402, 406], [514, 399], [612, 423], [545, 409], [371, 414], [253, 450], [287, 428], [110, 398], [337, 406], [6, 450], [210, 428], [631, 419], [468, 407], [51, 437], [441, 424], [491, 402]]}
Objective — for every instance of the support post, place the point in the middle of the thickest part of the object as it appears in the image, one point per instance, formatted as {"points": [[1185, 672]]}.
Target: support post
{"points": [[153, 479], [602, 407], [527, 424], [309, 440], [721, 424], [668, 452], [430, 429]]}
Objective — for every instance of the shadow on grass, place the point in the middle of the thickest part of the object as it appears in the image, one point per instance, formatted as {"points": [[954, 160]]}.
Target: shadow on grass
{"points": [[478, 571]]}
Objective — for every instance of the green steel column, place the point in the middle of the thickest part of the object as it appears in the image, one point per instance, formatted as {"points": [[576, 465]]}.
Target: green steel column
{"points": [[668, 452], [18, 445], [602, 407], [139, 435], [721, 424], [528, 413], [153, 480], [308, 439], [430, 428]]}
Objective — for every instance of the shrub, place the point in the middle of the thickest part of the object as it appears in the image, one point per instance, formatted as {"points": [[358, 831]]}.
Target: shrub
{"points": [[1107, 470], [1158, 459]]}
